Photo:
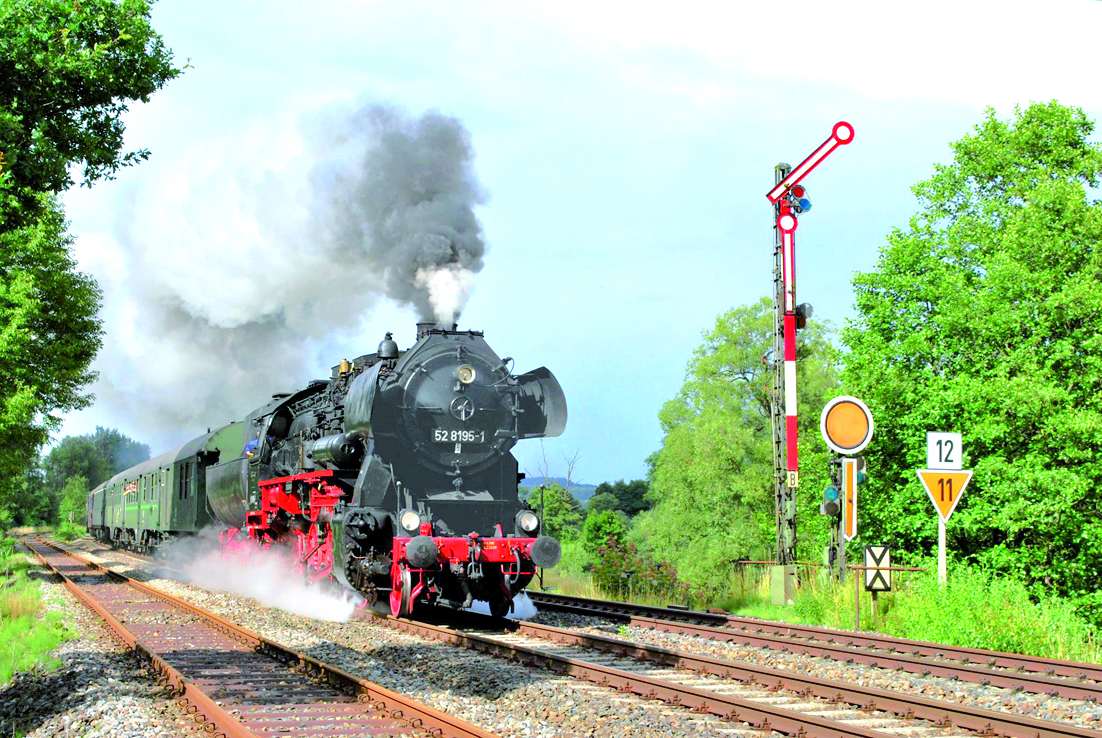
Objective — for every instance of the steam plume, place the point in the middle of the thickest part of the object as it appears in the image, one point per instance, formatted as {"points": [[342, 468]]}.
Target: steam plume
{"points": [[234, 266], [264, 575]]}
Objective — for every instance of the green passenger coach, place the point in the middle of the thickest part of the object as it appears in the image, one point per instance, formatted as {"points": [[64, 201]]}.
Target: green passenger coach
{"points": [[163, 498]]}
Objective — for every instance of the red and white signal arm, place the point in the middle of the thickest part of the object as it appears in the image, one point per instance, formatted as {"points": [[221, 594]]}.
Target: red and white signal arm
{"points": [[840, 135]]}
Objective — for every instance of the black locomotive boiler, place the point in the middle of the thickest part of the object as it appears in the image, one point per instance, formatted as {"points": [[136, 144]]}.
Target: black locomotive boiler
{"points": [[395, 476]]}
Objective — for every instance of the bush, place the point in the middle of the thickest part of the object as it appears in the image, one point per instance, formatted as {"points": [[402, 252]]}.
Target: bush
{"points": [[32, 636], [70, 531], [601, 527], [575, 559], [620, 570]]}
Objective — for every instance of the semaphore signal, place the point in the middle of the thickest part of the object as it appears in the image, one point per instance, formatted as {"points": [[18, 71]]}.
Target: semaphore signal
{"points": [[789, 199]]}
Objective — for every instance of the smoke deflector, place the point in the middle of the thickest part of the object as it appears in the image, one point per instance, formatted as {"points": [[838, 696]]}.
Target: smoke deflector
{"points": [[542, 405]]}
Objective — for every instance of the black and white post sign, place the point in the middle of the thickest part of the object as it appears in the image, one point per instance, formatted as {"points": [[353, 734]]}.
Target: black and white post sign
{"points": [[878, 576]]}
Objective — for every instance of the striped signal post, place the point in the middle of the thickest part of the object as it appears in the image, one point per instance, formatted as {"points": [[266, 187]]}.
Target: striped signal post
{"points": [[789, 199]]}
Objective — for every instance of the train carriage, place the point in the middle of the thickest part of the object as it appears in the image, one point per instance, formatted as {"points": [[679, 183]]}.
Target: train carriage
{"points": [[162, 498]]}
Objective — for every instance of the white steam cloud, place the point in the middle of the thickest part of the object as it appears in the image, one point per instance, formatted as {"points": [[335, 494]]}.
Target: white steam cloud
{"points": [[523, 607], [266, 576], [234, 265]]}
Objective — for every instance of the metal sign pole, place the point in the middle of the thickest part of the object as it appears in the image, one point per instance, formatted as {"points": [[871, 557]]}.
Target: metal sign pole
{"points": [[942, 568]]}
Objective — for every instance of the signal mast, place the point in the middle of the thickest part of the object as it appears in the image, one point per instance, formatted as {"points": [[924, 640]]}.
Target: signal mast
{"points": [[789, 199]]}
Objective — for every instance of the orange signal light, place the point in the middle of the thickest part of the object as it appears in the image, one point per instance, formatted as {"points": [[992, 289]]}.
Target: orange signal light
{"points": [[846, 425]]}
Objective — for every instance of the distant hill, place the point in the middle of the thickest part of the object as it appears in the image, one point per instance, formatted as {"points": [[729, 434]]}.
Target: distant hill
{"points": [[581, 491]]}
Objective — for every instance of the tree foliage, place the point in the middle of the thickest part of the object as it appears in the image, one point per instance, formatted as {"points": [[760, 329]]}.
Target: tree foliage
{"points": [[95, 456], [68, 69], [712, 480], [631, 497], [982, 317], [562, 514], [36, 494], [49, 333], [600, 502], [601, 527], [74, 496]]}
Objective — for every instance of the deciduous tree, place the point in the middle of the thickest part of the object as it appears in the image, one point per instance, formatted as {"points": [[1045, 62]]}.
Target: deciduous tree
{"points": [[600, 502], [712, 480], [74, 497], [631, 497], [68, 70], [982, 316], [49, 333]]}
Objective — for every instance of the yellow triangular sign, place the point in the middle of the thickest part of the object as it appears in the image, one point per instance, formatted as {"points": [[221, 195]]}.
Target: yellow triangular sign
{"points": [[945, 488]]}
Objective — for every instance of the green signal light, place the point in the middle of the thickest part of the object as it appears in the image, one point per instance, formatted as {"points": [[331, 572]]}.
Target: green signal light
{"points": [[831, 493]]}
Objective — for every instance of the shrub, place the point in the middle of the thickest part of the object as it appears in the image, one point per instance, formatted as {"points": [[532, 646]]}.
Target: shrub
{"points": [[70, 531], [622, 571]]}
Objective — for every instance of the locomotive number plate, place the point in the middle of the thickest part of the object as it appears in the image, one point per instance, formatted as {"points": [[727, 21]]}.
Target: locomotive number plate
{"points": [[443, 435]]}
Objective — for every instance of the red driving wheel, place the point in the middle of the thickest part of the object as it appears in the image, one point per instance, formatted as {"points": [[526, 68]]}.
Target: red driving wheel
{"points": [[401, 583]]}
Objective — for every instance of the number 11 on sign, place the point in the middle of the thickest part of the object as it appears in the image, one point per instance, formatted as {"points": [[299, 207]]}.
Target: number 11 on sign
{"points": [[945, 488]]}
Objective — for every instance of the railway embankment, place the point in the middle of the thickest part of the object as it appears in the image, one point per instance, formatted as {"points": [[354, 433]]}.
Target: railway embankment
{"points": [[519, 696], [70, 676]]}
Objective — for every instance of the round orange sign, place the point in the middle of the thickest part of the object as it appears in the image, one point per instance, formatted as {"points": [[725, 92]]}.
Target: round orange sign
{"points": [[846, 424]]}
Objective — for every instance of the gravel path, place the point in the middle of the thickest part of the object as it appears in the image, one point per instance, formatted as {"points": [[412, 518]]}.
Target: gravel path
{"points": [[1075, 712], [101, 690]]}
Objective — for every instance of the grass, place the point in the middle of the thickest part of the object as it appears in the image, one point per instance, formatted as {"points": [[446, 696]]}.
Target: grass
{"points": [[27, 634], [581, 585], [976, 609]]}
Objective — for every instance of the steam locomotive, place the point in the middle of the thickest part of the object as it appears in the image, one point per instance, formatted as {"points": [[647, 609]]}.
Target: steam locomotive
{"points": [[394, 477]]}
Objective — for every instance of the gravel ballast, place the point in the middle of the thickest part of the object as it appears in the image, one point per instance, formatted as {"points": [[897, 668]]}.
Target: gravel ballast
{"points": [[1046, 707], [514, 700], [101, 689]]}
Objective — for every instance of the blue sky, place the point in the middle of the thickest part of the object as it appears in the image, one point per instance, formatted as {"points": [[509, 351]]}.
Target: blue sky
{"points": [[626, 150]]}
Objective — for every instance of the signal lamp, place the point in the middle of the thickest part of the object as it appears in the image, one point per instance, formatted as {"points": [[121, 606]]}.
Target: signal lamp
{"points": [[804, 312], [830, 505], [800, 200], [862, 475]]}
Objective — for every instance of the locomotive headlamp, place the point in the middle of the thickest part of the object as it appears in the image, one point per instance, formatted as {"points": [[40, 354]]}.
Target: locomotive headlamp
{"points": [[466, 374], [527, 521], [410, 520]]}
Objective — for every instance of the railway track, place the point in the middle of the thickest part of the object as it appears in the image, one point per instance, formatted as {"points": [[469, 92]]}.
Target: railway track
{"points": [[234, 682], [766, 699], [1069, 679]]}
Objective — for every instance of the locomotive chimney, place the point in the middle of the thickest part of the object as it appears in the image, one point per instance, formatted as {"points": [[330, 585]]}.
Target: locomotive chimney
{"points": [[423, 329]]}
